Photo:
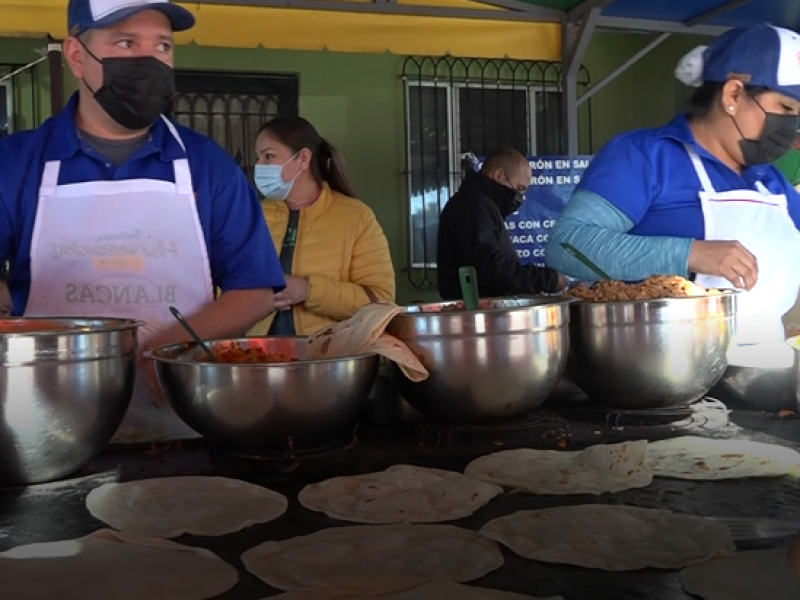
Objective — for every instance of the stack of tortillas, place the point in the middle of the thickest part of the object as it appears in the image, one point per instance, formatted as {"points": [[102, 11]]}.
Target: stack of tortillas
{"points": [[709, 459], [110, 564], [363, 333], [750, 575], [437, 590], [599, 469], [376, 560], [400, 494], [612, 538], [174, 506]]}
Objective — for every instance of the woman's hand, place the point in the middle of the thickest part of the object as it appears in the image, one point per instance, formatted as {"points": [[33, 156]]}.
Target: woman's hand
{"points": [[296, 292], [730, 260]]}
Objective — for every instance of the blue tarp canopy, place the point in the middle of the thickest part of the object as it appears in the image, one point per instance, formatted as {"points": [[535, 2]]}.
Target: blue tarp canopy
{"points": [[662, 17], [723, 13]]}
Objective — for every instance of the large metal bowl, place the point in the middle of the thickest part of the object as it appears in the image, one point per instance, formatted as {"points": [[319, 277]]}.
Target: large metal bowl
{"points": [[502, 361], [262, 406], [63, 393], [754, 388], [645, 354]]}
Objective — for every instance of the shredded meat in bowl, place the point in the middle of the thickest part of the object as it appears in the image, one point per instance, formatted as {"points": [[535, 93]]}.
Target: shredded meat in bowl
{"points": [[652, 288]]}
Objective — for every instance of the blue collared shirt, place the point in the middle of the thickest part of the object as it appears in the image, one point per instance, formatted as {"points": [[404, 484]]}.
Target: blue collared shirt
{"points": [[648, 175], [241, 253]]}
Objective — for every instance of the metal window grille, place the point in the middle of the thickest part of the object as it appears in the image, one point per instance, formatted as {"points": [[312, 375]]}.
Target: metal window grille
{"points": [[15, 93], [230, 108], [460, 105]]}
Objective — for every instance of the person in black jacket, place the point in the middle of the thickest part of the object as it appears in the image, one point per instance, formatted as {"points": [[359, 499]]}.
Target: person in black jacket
{"points": [[472, 233]]}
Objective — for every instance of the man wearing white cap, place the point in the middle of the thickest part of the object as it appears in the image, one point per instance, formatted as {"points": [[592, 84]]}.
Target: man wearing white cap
{"points": [[110, 209]]}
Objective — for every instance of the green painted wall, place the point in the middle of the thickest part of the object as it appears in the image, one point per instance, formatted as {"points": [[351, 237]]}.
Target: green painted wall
{"points": [[356, 101]]}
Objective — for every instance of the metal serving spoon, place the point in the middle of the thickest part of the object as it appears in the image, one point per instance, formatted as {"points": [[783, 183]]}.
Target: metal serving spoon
{"points": [[179, 317]]}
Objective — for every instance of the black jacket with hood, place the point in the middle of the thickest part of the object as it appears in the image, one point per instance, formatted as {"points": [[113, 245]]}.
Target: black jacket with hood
{"points": [[472, 233]]}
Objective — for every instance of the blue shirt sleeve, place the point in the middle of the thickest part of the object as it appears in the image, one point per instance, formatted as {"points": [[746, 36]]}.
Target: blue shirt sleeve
{"points": [[621, 174], [241, 251], [600, 231]]}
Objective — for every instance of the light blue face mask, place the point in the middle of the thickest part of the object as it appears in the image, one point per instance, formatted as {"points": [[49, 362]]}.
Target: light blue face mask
{"points": [[269, 181]]}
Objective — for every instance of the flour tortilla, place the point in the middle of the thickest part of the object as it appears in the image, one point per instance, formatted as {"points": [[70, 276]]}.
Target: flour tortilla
{"points": [[111, 564], [173, 506], [392, 348], [699, 458], [355, 335], [373, 559], [400, 494], [611, 538], [600, 469], [751, 575], [437, 590], [363, 333]]}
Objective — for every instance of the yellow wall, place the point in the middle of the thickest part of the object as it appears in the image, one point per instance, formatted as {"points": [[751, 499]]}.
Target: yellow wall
{"points": [[357, 102]]}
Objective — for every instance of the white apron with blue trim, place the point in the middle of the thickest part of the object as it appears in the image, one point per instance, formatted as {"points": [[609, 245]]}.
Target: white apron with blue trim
{"points": [[122, 249], [760, 221]]}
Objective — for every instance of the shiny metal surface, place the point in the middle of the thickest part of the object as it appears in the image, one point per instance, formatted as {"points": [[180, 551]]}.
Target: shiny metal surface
{"points": [[62, 395], [261, 406], [502, 361], [794, 343], [756, 389], [650, 353]]}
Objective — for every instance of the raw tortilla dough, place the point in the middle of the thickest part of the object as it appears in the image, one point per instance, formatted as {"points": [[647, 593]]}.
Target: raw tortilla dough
{"points": [[600, 469], [437, 590], [751, 575], [612, 538], [173, 506], [692, 457], [111, 564], [373, 559], [400, 494]]}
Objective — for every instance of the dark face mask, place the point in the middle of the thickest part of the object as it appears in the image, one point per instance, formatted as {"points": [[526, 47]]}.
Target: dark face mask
{"points": [[136, 90], [516, 200], [775, 140]]}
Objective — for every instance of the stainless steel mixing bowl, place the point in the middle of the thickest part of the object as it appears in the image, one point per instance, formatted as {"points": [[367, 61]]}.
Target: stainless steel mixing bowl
{"points": [[63, 393], [261, 406], [644, 354], [502, 361], [754, 388]]}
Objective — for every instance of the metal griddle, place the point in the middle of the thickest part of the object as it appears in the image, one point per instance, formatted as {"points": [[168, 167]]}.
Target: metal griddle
{"points": [[56, 511]]}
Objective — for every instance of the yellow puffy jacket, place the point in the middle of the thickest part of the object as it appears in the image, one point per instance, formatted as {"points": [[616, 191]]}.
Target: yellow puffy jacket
{"points": [[342, 251]]}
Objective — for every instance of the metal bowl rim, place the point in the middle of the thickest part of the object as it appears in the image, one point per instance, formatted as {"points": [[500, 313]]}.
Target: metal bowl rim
{"points": [[150, 354], [655, 301], [547, 301], [122, 325]]}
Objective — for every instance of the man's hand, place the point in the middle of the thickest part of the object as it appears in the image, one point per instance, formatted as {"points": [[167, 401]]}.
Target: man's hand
{"points": [[296, 292], [730, 260]]}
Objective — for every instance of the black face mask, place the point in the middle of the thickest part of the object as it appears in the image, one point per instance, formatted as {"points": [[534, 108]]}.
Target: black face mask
{"points": [[136, 90], [775, 140], [516, 201]]}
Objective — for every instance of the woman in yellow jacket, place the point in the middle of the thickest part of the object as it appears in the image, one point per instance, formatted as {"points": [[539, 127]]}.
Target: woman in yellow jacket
{"points": [[333, 251]]}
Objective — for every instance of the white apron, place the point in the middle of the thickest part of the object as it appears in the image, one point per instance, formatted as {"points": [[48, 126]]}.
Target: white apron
{"points": [[759, 221], [122, 249]]}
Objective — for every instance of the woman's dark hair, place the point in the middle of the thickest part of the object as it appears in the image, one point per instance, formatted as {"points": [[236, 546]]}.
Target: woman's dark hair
{"points": [[327, 163], [704, 98]]}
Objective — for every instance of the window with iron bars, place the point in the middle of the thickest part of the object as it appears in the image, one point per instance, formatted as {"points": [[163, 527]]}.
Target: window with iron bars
{"points": [[456, 106], [230, 108]]}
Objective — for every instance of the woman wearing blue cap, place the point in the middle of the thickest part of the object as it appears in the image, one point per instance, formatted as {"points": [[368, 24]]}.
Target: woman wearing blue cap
{"points": [[699, 196]]}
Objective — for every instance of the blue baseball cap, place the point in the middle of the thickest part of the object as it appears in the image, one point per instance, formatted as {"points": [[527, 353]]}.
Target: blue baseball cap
{"points": [[757, 55], [83, 15]]}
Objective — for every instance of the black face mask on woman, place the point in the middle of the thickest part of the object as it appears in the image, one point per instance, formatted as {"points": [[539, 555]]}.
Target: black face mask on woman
{"points": [[136, 90], [775, 140]]}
